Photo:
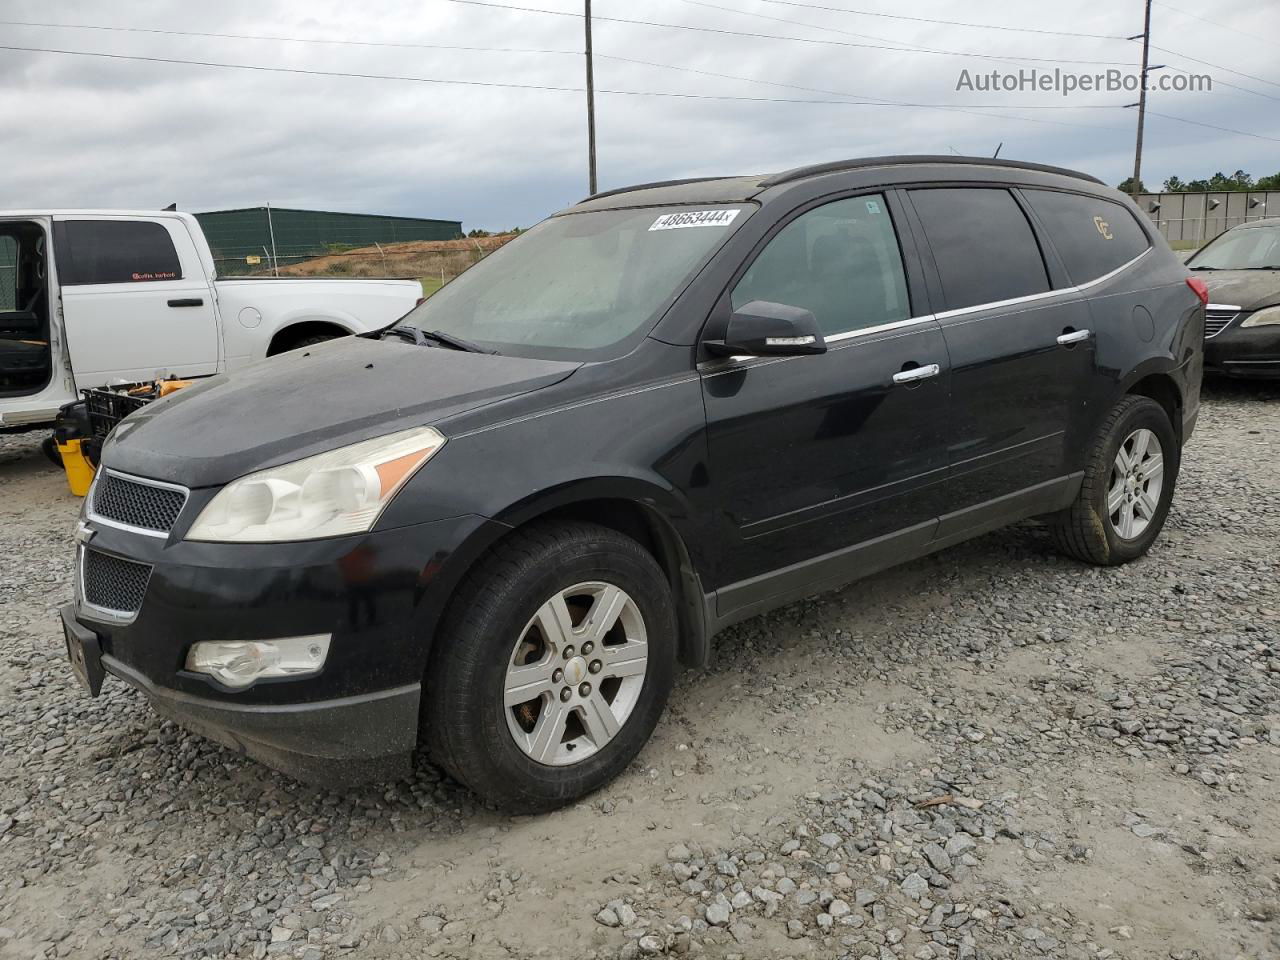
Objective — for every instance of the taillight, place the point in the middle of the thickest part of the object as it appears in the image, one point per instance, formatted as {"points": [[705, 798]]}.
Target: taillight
{"points": [[422, 300], [1200, 288]]}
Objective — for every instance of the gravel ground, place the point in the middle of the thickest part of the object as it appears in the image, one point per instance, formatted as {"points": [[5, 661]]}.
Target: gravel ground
{"points": [[993, 752]]}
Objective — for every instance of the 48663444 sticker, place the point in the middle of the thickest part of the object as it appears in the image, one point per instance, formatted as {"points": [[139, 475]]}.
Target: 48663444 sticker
{"points": [[694, 218]]}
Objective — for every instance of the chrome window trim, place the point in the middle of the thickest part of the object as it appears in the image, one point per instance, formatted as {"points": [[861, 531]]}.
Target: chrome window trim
{"points": [[1033, 297], [1114, 273], [879, 328], [999, 304], [146, 482], [714, 367], [105, 614]]}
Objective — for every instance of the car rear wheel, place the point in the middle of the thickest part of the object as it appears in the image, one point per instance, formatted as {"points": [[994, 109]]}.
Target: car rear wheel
{"points": [[553, 666], [1127, 489]]}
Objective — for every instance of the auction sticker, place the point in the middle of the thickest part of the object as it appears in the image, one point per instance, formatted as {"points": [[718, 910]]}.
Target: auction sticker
{"points": [[694, 218]]}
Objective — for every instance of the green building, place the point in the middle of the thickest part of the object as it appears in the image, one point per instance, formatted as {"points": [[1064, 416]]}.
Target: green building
{"points": [[253, 238]]}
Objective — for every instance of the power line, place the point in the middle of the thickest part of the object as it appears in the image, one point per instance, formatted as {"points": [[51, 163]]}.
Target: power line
{"points": [[501, 85], [956, 108], [1212, 23], [1210, 126], [439, 46], [918, 49], [574, 53], [764, 16], [949, 23], [901, 44], [774, 36], [1223, 83], [1216, 66], [282, 39]]}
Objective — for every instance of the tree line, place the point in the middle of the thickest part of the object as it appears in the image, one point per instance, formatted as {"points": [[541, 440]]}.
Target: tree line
{"points": [[1238, 182]]}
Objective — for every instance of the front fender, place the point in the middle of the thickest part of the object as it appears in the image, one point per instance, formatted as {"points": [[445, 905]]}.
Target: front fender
{"points": [[652, 492]]}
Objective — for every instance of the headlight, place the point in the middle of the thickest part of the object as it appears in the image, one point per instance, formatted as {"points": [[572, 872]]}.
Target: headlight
{"points": [[330, 494], [1269, 317], [238, 663]]}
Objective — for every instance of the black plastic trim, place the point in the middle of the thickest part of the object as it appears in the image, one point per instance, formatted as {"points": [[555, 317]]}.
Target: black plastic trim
{"points": [[836, 166]]}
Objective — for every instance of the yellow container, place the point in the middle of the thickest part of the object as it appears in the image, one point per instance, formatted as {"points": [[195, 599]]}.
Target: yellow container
{"points": [[79, 471]]}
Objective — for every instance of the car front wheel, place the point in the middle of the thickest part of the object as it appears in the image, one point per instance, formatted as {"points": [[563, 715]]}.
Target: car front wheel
{"points": [[553, 666]]}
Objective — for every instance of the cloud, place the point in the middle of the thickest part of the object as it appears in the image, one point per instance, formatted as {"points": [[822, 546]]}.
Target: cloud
{"points": [[97, 132]]}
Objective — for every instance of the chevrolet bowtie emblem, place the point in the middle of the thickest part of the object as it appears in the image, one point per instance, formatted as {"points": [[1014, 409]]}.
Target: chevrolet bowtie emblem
{"points": [[84, 532]]}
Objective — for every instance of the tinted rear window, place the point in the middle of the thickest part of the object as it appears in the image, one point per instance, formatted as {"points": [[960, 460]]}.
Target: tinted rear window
{"points": [[1092, 236], [983, 245], [8, 273], [114, 251]]}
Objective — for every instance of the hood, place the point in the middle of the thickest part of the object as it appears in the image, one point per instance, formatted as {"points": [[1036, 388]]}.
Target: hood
{"points": [[312, 400], [1247, 289]]}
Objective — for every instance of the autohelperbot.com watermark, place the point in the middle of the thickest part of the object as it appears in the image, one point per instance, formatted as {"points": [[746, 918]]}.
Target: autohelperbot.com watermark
{"points": [[1064, 82]]}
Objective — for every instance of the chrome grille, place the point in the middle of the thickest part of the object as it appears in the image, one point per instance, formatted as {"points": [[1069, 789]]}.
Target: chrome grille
{"points": [[1215, 321], [113, 584], [137, 503]]}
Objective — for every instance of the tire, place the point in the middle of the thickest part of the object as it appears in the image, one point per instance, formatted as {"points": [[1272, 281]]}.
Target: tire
{"points": [[1088, 530], [307, 342], [494, 626], [49, 447]]}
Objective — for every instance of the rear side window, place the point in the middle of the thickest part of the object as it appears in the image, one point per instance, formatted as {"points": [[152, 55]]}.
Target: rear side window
{"points": [[114, 251], [839, 261], [983, 245], [8, 273], [1092, 236]]}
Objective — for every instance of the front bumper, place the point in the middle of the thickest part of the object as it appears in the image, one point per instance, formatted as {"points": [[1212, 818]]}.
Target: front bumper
{"points": [[376, 594], [1244, 352]]}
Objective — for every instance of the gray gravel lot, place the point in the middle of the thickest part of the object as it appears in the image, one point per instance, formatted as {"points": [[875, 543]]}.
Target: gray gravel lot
{"points": [[993, 752]]}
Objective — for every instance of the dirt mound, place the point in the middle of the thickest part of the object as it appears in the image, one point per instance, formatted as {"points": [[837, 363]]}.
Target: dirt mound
{"points": [[413, 258]]}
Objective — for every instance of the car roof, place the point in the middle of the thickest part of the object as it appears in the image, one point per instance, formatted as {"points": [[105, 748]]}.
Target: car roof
{"points": [[91, 212], [741, 188], [1264, 222]]}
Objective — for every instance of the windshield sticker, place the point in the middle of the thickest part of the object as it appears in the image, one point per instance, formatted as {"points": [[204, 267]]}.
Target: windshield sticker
{"points": [[873, 206], [694, 218]]}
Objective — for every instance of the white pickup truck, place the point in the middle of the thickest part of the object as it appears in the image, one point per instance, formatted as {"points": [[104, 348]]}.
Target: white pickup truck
{"points": [[94, 297]]}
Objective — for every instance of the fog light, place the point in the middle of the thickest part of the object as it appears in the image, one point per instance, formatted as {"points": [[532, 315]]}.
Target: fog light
{"points": [[238, 663]]}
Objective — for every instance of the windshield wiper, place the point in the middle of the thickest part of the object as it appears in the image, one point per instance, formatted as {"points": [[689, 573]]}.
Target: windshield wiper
{"points": [[422, 338], [450, 341], [1206, 268], [404, 331], [1270, 266]]}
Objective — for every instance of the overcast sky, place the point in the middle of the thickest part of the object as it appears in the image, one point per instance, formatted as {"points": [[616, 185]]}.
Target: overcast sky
{"points": [[83, 131]]}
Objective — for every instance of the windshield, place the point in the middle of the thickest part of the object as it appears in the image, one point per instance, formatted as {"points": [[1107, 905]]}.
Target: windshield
{"points": [[582, 285], [1253, 248]]}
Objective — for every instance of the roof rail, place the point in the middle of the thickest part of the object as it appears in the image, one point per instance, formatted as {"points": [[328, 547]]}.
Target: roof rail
{"points": [[813, 170], [650, 186]]}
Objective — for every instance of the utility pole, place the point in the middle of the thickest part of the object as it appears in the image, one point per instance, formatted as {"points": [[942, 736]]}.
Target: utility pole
{"points": [[1142, 99], [591, 102]]}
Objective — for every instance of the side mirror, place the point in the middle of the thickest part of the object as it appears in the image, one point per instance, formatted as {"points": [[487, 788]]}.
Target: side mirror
{"points": [[764, 329]]}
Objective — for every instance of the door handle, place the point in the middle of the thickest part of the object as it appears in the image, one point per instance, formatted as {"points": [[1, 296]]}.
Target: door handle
{"points": [[1073, 336], [187, 302], [915, 374]]}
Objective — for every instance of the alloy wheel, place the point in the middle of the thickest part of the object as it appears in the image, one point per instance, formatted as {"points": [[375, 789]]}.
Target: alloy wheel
{"points": [[575, 673], [1137, 478]]}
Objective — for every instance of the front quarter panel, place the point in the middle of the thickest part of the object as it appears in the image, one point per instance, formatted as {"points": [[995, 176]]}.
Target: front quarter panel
{"points": [[643, 442]]}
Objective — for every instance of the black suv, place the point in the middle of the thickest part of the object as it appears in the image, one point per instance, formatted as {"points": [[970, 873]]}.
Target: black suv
{"points": [[495, 527]]}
